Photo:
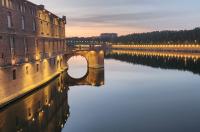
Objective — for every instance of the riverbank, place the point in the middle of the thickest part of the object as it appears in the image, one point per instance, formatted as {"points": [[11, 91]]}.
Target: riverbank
{"points": [[165, 47], [19, 80]]}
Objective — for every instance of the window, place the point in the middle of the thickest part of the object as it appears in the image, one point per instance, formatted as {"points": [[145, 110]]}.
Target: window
{"points": [[9, 19], [37, 67], [24, 8], [23, 23], [41, 25], [29, 112], [34, 25], [26, 69], [21, 8], [2, 2], [10, 4], [25, 47], [14, 74], [12, 45], [2, 55], [32, 10], [6, 3], [53, 46]]}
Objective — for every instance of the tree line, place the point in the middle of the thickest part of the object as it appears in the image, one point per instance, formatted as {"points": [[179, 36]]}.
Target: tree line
{"points": [[157, 37]]}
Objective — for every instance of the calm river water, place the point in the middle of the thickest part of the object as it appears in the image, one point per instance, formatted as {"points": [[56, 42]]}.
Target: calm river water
{"points": [[132, 93]]}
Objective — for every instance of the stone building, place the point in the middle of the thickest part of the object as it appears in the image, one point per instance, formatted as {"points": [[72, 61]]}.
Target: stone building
{"points": [[29, 32], [32, 48]]}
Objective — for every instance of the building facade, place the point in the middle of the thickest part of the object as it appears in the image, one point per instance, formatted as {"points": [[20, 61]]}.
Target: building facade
{"points": [[32, 46], [28, 32]]}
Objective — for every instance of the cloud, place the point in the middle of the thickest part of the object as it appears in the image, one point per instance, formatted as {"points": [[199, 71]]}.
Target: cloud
{"points": [[122, 18]]}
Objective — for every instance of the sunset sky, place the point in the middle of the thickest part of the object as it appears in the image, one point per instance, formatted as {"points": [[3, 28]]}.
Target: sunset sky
{"points": [[92, 17]]}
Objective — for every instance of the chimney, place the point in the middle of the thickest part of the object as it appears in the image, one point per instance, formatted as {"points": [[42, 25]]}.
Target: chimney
{"points": [[64, 19]]}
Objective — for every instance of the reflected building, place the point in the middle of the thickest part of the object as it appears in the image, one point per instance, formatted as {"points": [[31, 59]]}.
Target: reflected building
{"points": [[166, 60], [46, 109]]}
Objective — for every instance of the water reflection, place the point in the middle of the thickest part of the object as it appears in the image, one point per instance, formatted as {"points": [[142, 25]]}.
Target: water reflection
{"points": [[46, 109], [165, 60], [93, 77]]}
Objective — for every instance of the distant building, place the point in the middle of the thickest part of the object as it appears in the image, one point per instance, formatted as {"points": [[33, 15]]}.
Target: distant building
{"points": [[108, 36], [82, 40]]}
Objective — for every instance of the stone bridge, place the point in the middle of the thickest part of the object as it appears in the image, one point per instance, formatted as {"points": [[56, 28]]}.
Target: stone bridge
{"points": [[94, 57], [95, 67]]}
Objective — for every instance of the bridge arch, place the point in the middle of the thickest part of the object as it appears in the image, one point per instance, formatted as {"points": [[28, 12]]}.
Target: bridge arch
{"points": [[95, 61], [94, 58], [82, 69], [74, 55]]}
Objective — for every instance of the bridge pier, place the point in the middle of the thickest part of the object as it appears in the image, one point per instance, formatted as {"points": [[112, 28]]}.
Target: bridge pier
{"points": [[95, 59]]}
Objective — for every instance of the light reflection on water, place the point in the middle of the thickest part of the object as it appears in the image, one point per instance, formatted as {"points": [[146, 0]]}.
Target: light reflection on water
{"points": [[138, 98]]}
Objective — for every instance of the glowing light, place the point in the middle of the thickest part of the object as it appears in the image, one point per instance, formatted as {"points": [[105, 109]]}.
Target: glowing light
{"points": [[101, 52], [13, 61], [37, 57], [58, 57], [45, 60], [93, 52], [26, 59]]}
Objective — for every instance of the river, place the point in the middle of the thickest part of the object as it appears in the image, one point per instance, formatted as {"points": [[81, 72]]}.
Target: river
{"points": [[138, 93]]}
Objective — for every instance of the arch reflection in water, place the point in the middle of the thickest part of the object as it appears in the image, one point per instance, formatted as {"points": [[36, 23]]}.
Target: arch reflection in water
{"points": [[93, 77], [166, 60]]}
